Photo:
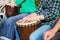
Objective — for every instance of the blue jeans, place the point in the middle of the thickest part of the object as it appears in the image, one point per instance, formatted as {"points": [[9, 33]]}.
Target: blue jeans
{"points": [[38, 34], [8, 27]]}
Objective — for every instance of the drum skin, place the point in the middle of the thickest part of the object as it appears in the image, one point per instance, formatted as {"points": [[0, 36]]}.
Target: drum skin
{"points": [[11, 11]]}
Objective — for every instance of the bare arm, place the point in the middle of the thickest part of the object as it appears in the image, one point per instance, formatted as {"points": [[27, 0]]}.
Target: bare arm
{"points": [[51, 33], [57, 26]]}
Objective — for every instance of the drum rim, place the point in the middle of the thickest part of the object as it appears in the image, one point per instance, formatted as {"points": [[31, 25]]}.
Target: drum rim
{"points": [[27, 25]]}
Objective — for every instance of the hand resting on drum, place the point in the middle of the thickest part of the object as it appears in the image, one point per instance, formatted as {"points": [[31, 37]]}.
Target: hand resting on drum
{"points": [[31, 17]]}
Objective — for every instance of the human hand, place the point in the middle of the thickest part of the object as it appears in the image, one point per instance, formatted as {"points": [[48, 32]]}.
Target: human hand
{"points": [[12, 4], [6, 2], [29, 18], [49, 34]]}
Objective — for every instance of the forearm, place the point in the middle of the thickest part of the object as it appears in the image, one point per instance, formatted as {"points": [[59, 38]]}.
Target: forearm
{"points": [[57, 26], [48, 12], [41, 17]]}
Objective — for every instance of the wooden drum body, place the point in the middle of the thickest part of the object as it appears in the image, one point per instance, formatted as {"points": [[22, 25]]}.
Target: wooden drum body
{"points": [[26, 30], [11, 11]]}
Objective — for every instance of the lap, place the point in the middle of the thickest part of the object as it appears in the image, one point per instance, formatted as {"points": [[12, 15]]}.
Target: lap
{"points": [[38, 33], [41, 30], [15, 18], [18, 17]]}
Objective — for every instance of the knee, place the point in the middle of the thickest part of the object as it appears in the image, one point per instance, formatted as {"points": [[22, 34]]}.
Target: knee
{"points": [[34, 36], [9, 21]]}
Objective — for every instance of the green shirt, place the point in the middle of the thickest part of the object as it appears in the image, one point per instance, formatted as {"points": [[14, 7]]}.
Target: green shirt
{"points": [[27, 6]]}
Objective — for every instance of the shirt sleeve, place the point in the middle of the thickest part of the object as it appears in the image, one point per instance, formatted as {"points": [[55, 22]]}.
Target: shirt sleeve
{"points": [[18, 2], [50, 10]]}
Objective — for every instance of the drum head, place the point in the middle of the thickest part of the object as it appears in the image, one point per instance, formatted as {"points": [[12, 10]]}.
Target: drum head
{"points": [[27, 24]]}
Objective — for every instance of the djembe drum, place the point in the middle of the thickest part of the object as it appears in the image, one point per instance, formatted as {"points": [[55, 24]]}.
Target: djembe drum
{"points": [[26, 29], [11, 11]]}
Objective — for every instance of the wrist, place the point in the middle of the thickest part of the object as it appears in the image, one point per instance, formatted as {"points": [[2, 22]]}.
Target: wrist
{"points": [[41, 17], [55, 30]]}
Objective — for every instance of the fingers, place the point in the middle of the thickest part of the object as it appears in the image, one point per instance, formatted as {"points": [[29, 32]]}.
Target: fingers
{"points": [[23, 20], [49, 37], [20, 20], [12, 4], [45, 36], [29, 19]]}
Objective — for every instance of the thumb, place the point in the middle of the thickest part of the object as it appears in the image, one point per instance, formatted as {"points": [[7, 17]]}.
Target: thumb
{"points": [[49, 37], [12, 5], [45, 36]]}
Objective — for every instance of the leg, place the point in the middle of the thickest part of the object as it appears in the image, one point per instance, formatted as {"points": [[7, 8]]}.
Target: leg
{"points": [[9, 26], [38, 34], [3, 22]]}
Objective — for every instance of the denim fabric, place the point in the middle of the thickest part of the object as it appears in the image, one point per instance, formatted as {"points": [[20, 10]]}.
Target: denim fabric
{"points": [[38, 34], [8, 27]]}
